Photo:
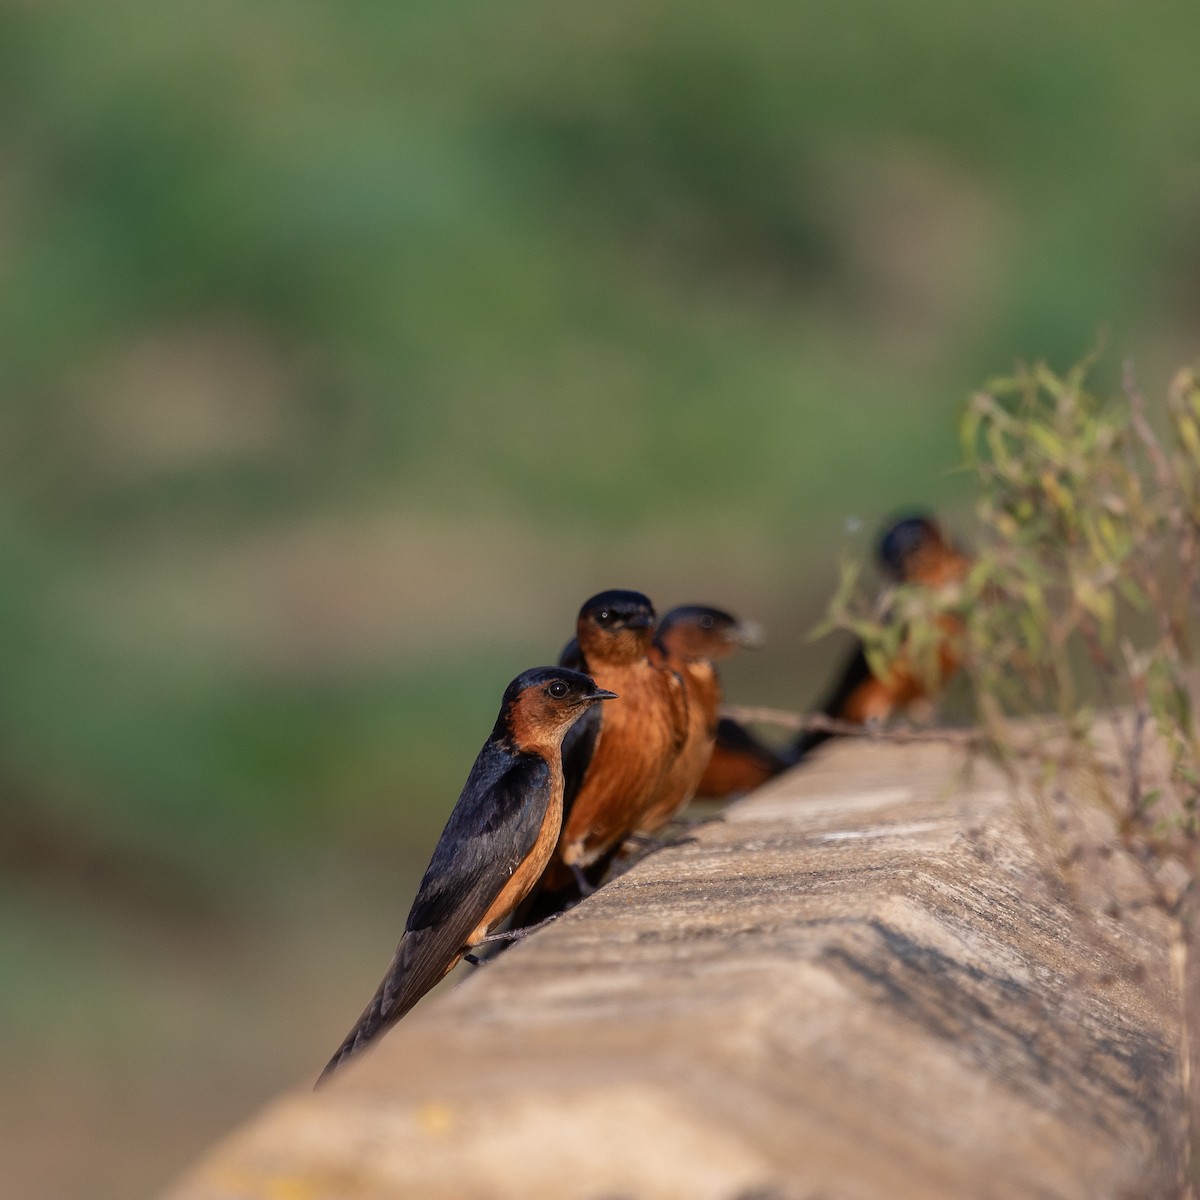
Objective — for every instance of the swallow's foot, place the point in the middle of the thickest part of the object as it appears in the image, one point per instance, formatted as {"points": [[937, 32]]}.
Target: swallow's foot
{"points": [[513, 935], [585, 885], [687, 824], [641, 839], [475, 960], [649, 845], [680, 826]]}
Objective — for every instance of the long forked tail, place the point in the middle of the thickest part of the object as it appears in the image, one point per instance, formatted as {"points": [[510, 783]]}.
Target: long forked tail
{"points": [[367, 1027], [412, 972], [738, 740], [856, 672], [807, 741]]}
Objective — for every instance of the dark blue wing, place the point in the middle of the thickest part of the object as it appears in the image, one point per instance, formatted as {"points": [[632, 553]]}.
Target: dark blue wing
{"points": [[571, 656], [493, 827], [578, 747], [580, 743], [491, 830]]}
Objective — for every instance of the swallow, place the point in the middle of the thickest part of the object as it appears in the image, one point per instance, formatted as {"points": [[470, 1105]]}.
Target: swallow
{"points": [[615, 761], [691, 639], [494, 848], [739, 763], [912, 551]]}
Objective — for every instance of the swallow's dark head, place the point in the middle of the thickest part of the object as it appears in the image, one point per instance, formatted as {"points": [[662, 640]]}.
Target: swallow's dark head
{"points": [[915, 550], [694, 631], [541, 704], [903, 540], [616, 626]]}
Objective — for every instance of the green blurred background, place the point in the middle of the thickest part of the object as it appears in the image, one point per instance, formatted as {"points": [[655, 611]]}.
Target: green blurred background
{"points": [[344, 349]]}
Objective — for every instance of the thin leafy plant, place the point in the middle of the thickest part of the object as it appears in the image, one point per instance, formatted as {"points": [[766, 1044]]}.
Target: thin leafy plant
{"points": [[1075, 631]]}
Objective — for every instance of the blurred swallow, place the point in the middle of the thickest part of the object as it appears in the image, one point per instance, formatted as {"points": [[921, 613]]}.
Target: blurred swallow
{"points": [[913, 550], [615, 761], [691, 639], [494, 848]]}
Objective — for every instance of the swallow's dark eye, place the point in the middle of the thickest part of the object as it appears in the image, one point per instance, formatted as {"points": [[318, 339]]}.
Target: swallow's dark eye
{"points": [[706, 622], [557, 689], [604, 617]]}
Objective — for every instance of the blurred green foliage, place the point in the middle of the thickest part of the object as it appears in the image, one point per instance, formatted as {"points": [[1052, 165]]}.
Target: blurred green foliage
{"points": [[600, 271]]}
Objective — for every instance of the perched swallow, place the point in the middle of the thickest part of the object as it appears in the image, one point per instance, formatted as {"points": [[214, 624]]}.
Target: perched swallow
{"points": [[739, 763], [494, 848], [615, 762], [912, 551], [690, 640]]}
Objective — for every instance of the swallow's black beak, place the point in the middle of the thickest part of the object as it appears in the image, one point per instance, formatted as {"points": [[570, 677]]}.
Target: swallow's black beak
{"points": [[601, 694], [639, 621]]}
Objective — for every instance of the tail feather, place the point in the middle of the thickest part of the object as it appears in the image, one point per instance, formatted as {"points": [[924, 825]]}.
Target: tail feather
{"points": [[738, 739], [412, 972], [807, 742], [855, 672]]}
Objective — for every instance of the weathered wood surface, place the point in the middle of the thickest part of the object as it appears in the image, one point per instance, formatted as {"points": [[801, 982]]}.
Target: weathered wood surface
{"points": [[859, 985]]}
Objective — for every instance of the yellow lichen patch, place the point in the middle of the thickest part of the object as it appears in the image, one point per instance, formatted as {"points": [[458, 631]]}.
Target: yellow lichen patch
{"points": [[253, 1184], [247, 1184], [436, 1119]]}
